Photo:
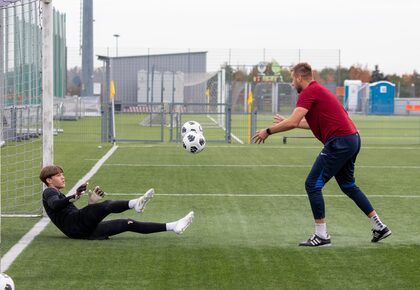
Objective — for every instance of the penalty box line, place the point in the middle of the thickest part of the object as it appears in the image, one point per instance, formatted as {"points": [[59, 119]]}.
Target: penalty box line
{"points": [[253, 195], [257, 165]]}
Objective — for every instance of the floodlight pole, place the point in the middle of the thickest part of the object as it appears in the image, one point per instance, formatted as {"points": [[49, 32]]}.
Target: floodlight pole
{"points": [[116, 44], [87, 49]]}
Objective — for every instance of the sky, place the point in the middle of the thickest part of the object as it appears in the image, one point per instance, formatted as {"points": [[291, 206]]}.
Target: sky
{"points": [[367, 32]]}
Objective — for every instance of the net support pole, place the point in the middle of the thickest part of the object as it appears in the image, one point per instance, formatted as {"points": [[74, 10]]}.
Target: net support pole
{"points": [[223, 107], [47, 84], [274, 98], [219, 95]]}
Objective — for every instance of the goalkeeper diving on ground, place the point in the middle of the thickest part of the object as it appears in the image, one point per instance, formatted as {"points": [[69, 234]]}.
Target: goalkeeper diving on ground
{"points": [[87, 222]]}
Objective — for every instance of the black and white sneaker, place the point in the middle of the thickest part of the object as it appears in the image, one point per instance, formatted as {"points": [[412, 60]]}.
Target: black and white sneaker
{"points": [[380, 235], [316, 241]]}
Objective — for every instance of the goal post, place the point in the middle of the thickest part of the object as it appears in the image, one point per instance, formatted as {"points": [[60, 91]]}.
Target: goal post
{"points": [[47, 85]]}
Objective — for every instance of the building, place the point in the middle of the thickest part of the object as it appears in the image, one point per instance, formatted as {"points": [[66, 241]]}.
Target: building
{"points": [[130, 72]]}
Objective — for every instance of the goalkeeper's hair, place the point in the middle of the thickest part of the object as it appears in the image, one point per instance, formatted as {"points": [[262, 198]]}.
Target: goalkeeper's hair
{"points": [[49, 171], [303, 70]]}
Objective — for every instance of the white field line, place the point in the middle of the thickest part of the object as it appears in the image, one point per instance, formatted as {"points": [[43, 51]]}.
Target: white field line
{"points": [[8, 258], [256, 165], [264, 146], [233, 136], [253, 195]]}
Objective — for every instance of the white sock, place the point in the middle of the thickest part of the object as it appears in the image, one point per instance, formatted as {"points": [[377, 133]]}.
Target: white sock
{"points": [[171, 226], [377, 223], [132, 202], [321, 230]]}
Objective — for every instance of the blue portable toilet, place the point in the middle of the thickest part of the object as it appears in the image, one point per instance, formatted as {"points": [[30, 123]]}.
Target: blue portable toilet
{"points": [[381, 98]]}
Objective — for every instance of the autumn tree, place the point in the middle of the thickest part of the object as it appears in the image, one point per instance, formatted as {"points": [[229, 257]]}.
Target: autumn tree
{"points": [[356, 72]]}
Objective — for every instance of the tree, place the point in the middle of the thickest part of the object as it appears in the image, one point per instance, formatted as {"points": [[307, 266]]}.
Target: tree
{"points": [[415, 84], [343, 74], [239, 75], [286, 75], [356, 72], [400, 91], [228, 72], [405, 86], [317, 76], [327, 75], [377, 75], [74, 81]]}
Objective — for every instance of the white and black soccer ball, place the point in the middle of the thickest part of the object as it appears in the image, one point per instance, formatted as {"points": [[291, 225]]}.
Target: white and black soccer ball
{"points": [[6, 283], [194, 142], [191, 126]]}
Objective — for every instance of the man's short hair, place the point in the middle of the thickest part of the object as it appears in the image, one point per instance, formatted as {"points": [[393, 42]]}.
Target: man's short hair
{"points": [[49, 171], [303, 70]]}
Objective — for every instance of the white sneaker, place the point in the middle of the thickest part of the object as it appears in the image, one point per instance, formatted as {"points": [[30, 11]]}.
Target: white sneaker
{"points": [[184, 223], [143, 200]]}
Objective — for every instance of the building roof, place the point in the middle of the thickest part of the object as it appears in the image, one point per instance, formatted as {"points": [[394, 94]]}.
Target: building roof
{"points": [[102, 57]]}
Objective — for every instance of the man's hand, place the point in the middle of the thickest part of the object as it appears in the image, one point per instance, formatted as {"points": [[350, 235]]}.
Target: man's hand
{"points": [[95, 195], [260, 136]]}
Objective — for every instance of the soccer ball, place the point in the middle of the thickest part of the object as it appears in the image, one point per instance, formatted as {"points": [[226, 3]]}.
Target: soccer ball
{"points": [[194, 142], [6, 283], [191, 126]]}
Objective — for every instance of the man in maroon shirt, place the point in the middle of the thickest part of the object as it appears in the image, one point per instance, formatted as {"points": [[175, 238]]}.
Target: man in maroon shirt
{"points": [[319, 110]]}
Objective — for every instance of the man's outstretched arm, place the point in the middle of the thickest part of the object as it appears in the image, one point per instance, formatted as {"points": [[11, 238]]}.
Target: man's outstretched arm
{"points": [[294, 121]]}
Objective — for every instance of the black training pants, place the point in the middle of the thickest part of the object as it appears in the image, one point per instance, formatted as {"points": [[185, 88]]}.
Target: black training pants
{"points": [[91, 219]]}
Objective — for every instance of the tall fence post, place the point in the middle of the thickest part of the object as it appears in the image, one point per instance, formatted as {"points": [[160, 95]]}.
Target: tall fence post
{"points": [[253, 127]]}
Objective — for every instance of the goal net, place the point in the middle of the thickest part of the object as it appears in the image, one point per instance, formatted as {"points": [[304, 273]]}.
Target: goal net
{"points": [[20, 107]]}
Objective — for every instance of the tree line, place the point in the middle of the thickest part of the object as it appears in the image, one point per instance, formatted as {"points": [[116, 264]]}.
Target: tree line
{"points": [[407, 85]]}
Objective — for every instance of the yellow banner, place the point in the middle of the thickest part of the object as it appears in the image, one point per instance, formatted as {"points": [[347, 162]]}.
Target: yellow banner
{"points": [[111, 90], [250, 99]]}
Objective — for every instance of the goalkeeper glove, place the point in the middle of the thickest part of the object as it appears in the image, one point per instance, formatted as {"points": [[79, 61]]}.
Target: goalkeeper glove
{"points": [[79, 191], [74, 197], [82, 188], [96, 195]]}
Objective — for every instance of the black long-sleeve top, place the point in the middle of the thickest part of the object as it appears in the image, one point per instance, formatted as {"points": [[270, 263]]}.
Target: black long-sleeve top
{"points": [[63, 213]]}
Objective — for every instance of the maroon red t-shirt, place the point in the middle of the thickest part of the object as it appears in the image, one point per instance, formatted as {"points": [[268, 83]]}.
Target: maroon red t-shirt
{"points": [[326, 116]]}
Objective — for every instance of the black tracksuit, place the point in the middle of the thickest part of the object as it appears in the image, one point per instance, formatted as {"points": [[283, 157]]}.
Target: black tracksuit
{"points": [[86, 223]]}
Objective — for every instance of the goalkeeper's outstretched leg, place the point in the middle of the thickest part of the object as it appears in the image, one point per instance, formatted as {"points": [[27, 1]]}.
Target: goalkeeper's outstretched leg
{"points": [[106, 229]]}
